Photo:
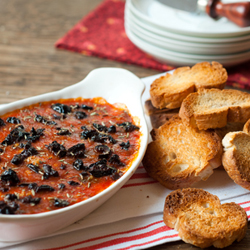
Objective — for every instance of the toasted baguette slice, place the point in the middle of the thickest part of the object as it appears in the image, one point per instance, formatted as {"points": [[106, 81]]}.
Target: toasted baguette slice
{"points": [[236, 157], [201, 220], [170, 90], [180, 156], [158, 116], [246, 127], [214, 108]]}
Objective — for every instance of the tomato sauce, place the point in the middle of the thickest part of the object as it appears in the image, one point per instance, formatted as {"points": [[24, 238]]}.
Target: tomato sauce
{"points": [[57, 153]]}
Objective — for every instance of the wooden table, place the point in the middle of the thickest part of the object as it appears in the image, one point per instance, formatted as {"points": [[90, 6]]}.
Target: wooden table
{"points": [[30, 65]]}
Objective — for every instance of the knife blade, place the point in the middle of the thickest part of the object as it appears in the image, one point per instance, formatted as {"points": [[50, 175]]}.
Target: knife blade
{"points": [[238, 12], [193, 6]]}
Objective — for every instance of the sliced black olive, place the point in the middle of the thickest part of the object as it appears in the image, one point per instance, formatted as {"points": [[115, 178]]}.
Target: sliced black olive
{"points": [[2, 122], [61, 186], [58, 149], [16, 135], [17, 159], [60, 203], [61, 108], [24, 185], [35, 134], [112, 129], [34, 168], [103, 150], [115, 159], [95, 136], [59, 117], [4, 189], [10, 176], [21, 145], [128, 126], [77, 150], [78, 165], [8, 208], [1, 150], [51, 123], [49, 171], [29, 199], [32, 186], [80, 115], [87, 107], [88, 134], [100, 169], [41, 119], [44, 188], [116, 176], [10, 197], [28, 151], [8, 140], [13, 206], [125, 145], [19, 133], [73, 183], [63, 131], [99, 127], [13, 120], [104, 138]]}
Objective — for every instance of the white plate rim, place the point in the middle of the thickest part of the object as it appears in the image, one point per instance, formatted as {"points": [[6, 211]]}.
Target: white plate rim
{"points": [[203, 33], [177, 59], [187, 47], [168, 34]]}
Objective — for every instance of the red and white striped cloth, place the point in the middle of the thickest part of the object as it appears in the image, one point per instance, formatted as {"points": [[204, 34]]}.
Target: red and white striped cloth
{"points": [[132, 218]]}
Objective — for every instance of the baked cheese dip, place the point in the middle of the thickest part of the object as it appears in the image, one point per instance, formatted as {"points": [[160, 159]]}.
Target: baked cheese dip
{"points": [[57, 153]]}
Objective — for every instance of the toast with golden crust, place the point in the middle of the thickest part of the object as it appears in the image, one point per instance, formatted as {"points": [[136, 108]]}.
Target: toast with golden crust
{"points": [[181, 155], [202, 220], [236, 157], [214, 108], [246, 127], [170, 90]]}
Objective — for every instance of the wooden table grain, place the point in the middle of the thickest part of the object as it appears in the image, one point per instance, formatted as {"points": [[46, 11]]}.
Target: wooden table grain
{"points": [[30, 65]]}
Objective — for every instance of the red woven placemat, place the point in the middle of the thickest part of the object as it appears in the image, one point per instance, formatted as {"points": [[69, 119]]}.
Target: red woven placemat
{"points": [[101, 33]]}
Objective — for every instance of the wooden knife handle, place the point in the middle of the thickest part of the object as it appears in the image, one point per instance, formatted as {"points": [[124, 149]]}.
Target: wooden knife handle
{"points": [[238, 13]]}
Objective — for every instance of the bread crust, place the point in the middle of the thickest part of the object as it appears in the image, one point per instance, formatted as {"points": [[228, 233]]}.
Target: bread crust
{"points": [[246, 127], [175, 160], [214, 108], [236, 157], [201, 220], [170, 90]]}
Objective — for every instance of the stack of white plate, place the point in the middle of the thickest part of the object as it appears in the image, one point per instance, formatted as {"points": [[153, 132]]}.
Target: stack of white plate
{"points": [[180, 38]]}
